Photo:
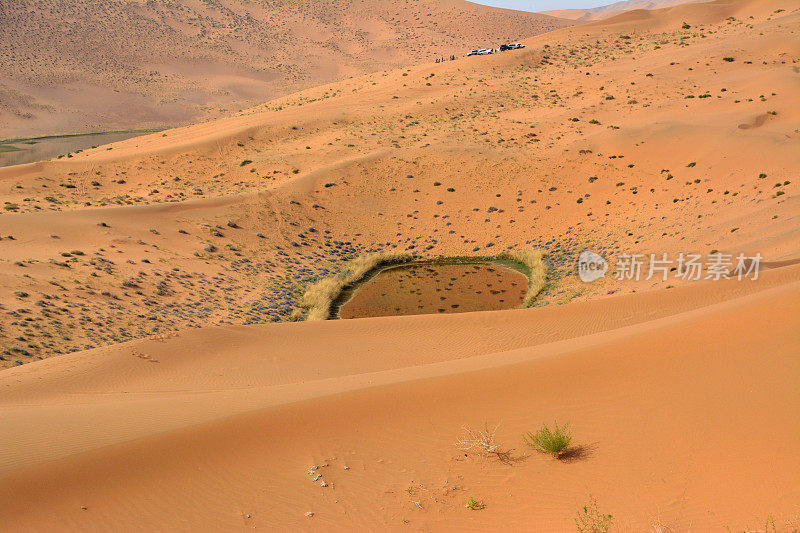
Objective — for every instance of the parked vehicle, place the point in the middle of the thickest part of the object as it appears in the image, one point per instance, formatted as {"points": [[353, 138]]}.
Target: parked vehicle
{"points": [[502, 48], [513, 46]]}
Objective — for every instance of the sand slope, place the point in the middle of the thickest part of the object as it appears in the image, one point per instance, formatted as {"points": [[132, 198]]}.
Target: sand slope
{"points": [[672, 399]]}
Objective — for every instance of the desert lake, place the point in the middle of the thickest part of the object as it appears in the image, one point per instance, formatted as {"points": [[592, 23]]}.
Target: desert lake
{"points": [[419, 289], [21, 151]]}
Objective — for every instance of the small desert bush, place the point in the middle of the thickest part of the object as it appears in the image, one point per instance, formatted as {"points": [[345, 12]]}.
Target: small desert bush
{"points": [[481, 440], [319, 298], [545, 440], [591, 520], [474, 504]]}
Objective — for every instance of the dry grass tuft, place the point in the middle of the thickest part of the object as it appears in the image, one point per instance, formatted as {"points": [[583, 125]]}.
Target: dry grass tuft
{"points": [[481, 440], [319, 298], [533, 259], [660, 527]]}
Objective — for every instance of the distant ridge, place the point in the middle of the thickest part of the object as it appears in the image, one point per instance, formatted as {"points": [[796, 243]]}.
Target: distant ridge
{"points": [[597, 13], [88, 65]]}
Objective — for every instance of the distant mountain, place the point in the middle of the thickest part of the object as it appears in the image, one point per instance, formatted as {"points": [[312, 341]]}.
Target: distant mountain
{"points": [[597, 13], [79, 65]]}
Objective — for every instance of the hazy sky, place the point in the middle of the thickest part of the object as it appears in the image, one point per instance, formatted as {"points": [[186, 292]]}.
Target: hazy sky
{"points": [[542, 5]]}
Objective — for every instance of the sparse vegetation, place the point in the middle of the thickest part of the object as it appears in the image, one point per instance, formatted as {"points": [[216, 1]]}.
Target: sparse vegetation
{"points": [[591, 520]]}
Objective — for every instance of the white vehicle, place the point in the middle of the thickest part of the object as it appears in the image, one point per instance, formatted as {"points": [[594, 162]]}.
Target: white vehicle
{"points": [[480, 52], [516, 46]]}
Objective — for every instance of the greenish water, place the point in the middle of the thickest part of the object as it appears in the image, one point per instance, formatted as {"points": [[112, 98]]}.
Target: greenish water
{"points": [[434, 287], [21, 151]]}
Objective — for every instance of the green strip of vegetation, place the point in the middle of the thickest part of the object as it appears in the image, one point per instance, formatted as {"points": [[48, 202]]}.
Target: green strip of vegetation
{"points": [[318, 299], [324, 299]]}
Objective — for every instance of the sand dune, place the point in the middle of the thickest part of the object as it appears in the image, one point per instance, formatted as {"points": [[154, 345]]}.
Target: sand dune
{"points": [[231, 432], [97, 65], [156, 380], [599, 13], [268, 170]]}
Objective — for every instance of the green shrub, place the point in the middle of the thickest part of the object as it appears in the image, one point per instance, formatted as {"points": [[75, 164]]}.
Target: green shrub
{"points": [[554, 442], [474, 505], [591, 520]]}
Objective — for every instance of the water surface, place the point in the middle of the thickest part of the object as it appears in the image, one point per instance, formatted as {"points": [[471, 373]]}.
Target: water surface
{"points": [[20, 151], [436, 288]]}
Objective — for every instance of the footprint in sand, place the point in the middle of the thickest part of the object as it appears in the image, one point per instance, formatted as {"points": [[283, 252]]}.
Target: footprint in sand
{"points": [[759, 121]]}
